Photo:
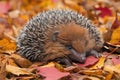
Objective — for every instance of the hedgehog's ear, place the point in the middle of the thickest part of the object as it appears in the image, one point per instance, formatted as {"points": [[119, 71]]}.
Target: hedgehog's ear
{"points": [[54, 35]]}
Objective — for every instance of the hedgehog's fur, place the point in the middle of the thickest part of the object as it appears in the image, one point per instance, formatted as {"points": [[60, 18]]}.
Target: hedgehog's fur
{"points": [[32, 39]]}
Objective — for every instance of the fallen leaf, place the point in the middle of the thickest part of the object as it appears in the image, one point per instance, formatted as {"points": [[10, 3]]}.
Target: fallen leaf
{"points": [[24, 63], [91, 78], [3, 62], [115, 36], [116, 60], [73, 5], [89, 61], [7, 45], [116, 23], [4, 6], [51, 64], [14, 14], [99, 64], [112, 69], [92, 72], [51, 73], [109, 76], [104, 11], [17, 70], [11, 62]]}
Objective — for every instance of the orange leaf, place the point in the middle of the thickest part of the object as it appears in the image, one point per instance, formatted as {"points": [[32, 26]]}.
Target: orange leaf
{"points": [[7, 45], [99, 64]]}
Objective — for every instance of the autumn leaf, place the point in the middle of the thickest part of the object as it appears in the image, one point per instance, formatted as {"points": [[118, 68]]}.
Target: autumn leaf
{"points": [[17, 71], [115, 36], [21, 61], [4, 6], [7, 45], [112, 68], [99, 64], [3, 62], [103, 11], [89, 61], [15, 13], [116, 60], [51, 73], [116, 22]]}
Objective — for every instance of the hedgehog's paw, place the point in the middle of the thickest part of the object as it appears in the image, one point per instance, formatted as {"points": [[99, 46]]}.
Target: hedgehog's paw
{"points": [[63, 60], [94, 53]]}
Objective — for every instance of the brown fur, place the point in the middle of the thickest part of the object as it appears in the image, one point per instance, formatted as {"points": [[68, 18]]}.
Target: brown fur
{"points": [[76, 36], [55, 50], [69, 34]]}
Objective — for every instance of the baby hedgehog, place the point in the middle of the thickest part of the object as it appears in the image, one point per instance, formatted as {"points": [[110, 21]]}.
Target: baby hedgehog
{"points": [[62, 35]]}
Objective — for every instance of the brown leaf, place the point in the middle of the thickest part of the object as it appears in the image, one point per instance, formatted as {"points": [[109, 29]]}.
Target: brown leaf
{"points": [[3, 62], [17, 71], [21, 61]]}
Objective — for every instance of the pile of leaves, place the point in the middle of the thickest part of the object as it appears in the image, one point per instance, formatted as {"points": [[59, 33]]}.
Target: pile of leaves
{"points": [[103, 13]]}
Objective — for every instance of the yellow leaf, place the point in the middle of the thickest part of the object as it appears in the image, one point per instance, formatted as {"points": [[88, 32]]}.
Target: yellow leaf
{"points": [[7, 45], [99, 64], [112, 69], [93, 72], [17, 71], [115, 36], [51, 64]]}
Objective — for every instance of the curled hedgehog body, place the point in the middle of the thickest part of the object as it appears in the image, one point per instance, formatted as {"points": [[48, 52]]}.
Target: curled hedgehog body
{"points": [[57, 33]]}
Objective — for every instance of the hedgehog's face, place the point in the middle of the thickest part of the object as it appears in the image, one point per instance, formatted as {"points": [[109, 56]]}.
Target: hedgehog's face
{"points": [[76, 38], [77, 47]]}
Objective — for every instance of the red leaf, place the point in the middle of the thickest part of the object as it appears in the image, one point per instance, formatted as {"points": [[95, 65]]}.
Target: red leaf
{"points": [[104, 11], [89, 61], [116, 23], [4, 7], [51, 73], [116, 60]]}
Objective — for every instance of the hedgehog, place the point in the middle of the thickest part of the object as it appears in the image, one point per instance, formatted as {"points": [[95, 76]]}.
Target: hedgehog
{"points": [[59, 35]]}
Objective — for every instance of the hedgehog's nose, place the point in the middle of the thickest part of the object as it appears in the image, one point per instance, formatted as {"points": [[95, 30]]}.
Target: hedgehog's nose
{"points": [[81, 57]]}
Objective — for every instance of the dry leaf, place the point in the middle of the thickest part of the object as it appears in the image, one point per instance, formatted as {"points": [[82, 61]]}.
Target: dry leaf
{"points": [[21, 61], [51, 73], [89, 61], [4, 6], [3, 62], [7, 45], [104, 11], [11, 62], [99, 64], [17, 70], [112, 69], [115, 36], [92, 72]]}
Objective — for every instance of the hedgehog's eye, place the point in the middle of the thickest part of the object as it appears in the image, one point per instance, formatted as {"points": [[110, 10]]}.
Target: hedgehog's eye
{"points": [[69, 46]]}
